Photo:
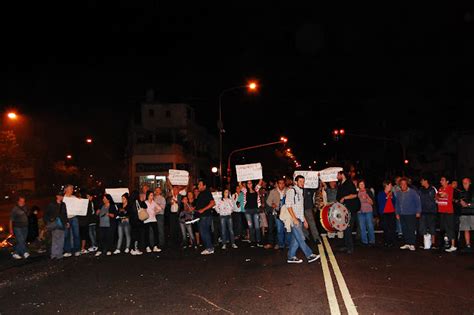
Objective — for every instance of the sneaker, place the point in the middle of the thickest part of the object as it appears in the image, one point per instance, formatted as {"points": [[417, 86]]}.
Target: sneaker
{"points": [[434, 247], [77, 254], [148, 250], [117, 251], [224, 247], [294, 260], [234, 246], [98, 254], [412, 248], [26, 255], [207, 252], [268, 246], [41, 251], [84, 251], [132, 252], [16, 256], [190, 246], [156, 249], [127, 251], [138, 253], [259, 245], [451, 249], [109, 254], [185, 247], [67, 255], [246, 241], [91, 249], [406, 246], [313, 258], [277, 247]]}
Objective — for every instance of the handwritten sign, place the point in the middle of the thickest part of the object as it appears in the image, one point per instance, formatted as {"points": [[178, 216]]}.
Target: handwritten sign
{"points": [[311, 178], [76, 206], [116, 193], [248, 172], [217, 195], [329, 174], [178, 177]]}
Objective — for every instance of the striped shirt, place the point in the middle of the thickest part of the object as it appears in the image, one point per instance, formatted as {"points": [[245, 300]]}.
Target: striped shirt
{"points": [[295, 202]]}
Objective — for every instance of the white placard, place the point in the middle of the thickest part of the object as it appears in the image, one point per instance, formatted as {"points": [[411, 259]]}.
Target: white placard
{"points": [[116, 193], [249, 172], [311, 178], [178, 177], [329, 174], [76, 206], [217, 195]]}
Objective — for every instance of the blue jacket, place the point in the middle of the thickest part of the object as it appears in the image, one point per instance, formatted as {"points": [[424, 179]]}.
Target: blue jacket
{"points": [[382, 200], [408, 203]]}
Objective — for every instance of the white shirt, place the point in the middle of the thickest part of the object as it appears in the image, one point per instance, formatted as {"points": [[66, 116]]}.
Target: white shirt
{"points": [[225, 207], [152, 209]]}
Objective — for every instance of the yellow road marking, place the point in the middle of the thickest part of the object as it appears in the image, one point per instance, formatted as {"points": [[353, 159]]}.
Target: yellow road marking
{"points": [[332, 299], [346, 296]]}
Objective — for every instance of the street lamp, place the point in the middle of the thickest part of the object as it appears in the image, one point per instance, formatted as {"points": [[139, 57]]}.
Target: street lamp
{"points": [[252, 86], [89, 140], [229, 171], [12, 116], [214, 170], [69, 157]]}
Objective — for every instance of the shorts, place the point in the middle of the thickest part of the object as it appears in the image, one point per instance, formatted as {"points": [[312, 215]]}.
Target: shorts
{"points": [[466, 223], [446, 222], [428, 224]]}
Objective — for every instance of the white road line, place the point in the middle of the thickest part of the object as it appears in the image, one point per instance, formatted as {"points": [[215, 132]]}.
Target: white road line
{"points": [[346, 296], [332, 299]]}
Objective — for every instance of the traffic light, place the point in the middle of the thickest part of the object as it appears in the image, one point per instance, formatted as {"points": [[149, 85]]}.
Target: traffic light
{"points": [[337, 134]]}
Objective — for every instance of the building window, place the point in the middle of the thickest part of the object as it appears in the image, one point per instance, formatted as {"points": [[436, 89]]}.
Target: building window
{"points": [[168, 114], [151, 112]]}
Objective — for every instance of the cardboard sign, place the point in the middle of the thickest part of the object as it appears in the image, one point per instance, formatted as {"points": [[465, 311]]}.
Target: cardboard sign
{"points": [[329, 174], [178, 177], [116, 193], [76, 206], [248, 172], [217, 195], [311, 178]]}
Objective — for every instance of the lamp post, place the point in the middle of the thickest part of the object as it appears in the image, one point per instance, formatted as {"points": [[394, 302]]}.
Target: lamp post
{"points": [[229, 171], [251, 86]]}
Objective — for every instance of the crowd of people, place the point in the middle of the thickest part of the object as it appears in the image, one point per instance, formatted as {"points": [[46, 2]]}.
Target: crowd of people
{"points": [[280, 215]]}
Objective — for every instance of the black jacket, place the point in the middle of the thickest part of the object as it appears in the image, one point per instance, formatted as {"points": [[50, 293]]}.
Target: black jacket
{"points": [[55, 210], [467, 196]]}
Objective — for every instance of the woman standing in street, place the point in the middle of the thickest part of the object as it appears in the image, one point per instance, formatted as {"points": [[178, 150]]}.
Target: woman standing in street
{"points": [[151, 223], [365, 215], [123, 225], [106, 214], [252, 216], [224, 208]]}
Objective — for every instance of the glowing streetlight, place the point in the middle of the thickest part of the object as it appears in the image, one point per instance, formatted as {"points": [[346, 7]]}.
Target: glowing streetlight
{"points": [[89, 140], [252, 86], [406, 162], [283, 139], [12, 116], [69, 157], [214, 170]]}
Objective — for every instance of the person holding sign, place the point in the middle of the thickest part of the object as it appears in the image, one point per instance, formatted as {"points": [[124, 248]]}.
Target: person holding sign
{"points": [[294, 202], [252, 216], [72, 230]]}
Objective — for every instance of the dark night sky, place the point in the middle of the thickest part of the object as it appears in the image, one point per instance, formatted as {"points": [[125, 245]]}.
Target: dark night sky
{"points": [[329, 67]]}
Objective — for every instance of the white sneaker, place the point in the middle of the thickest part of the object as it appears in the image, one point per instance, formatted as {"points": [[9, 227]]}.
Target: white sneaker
{"points": [[224, 247], [148, 250], [109, 254], [77, 254], [66, 255], [452, 249], [234, 246], [16, 256], [127, 251], [138, 253], [117, 251], [412, 248], [406, 246], [156, 249], [91, 249], [207, 252], [132, 252], [26, 255], [98, 254]]}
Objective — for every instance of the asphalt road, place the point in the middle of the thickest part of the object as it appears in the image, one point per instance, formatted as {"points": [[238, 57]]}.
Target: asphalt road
{"points": [[242, 281]]}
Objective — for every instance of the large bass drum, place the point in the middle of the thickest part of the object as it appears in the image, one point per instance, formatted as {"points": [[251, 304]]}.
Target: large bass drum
{"points": [[335, 217]]}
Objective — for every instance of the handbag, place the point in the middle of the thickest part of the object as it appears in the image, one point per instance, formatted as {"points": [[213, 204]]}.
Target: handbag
{"points": [[142, 213]]}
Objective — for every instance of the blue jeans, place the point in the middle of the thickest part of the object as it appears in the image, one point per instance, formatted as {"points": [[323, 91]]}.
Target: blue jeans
{"points": [[93, 235], [205, 230], [227, 229], [253, 221], [298, 241], [21, 233], [76, 239], [124, 228], [284, 237], [366, 227]]}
